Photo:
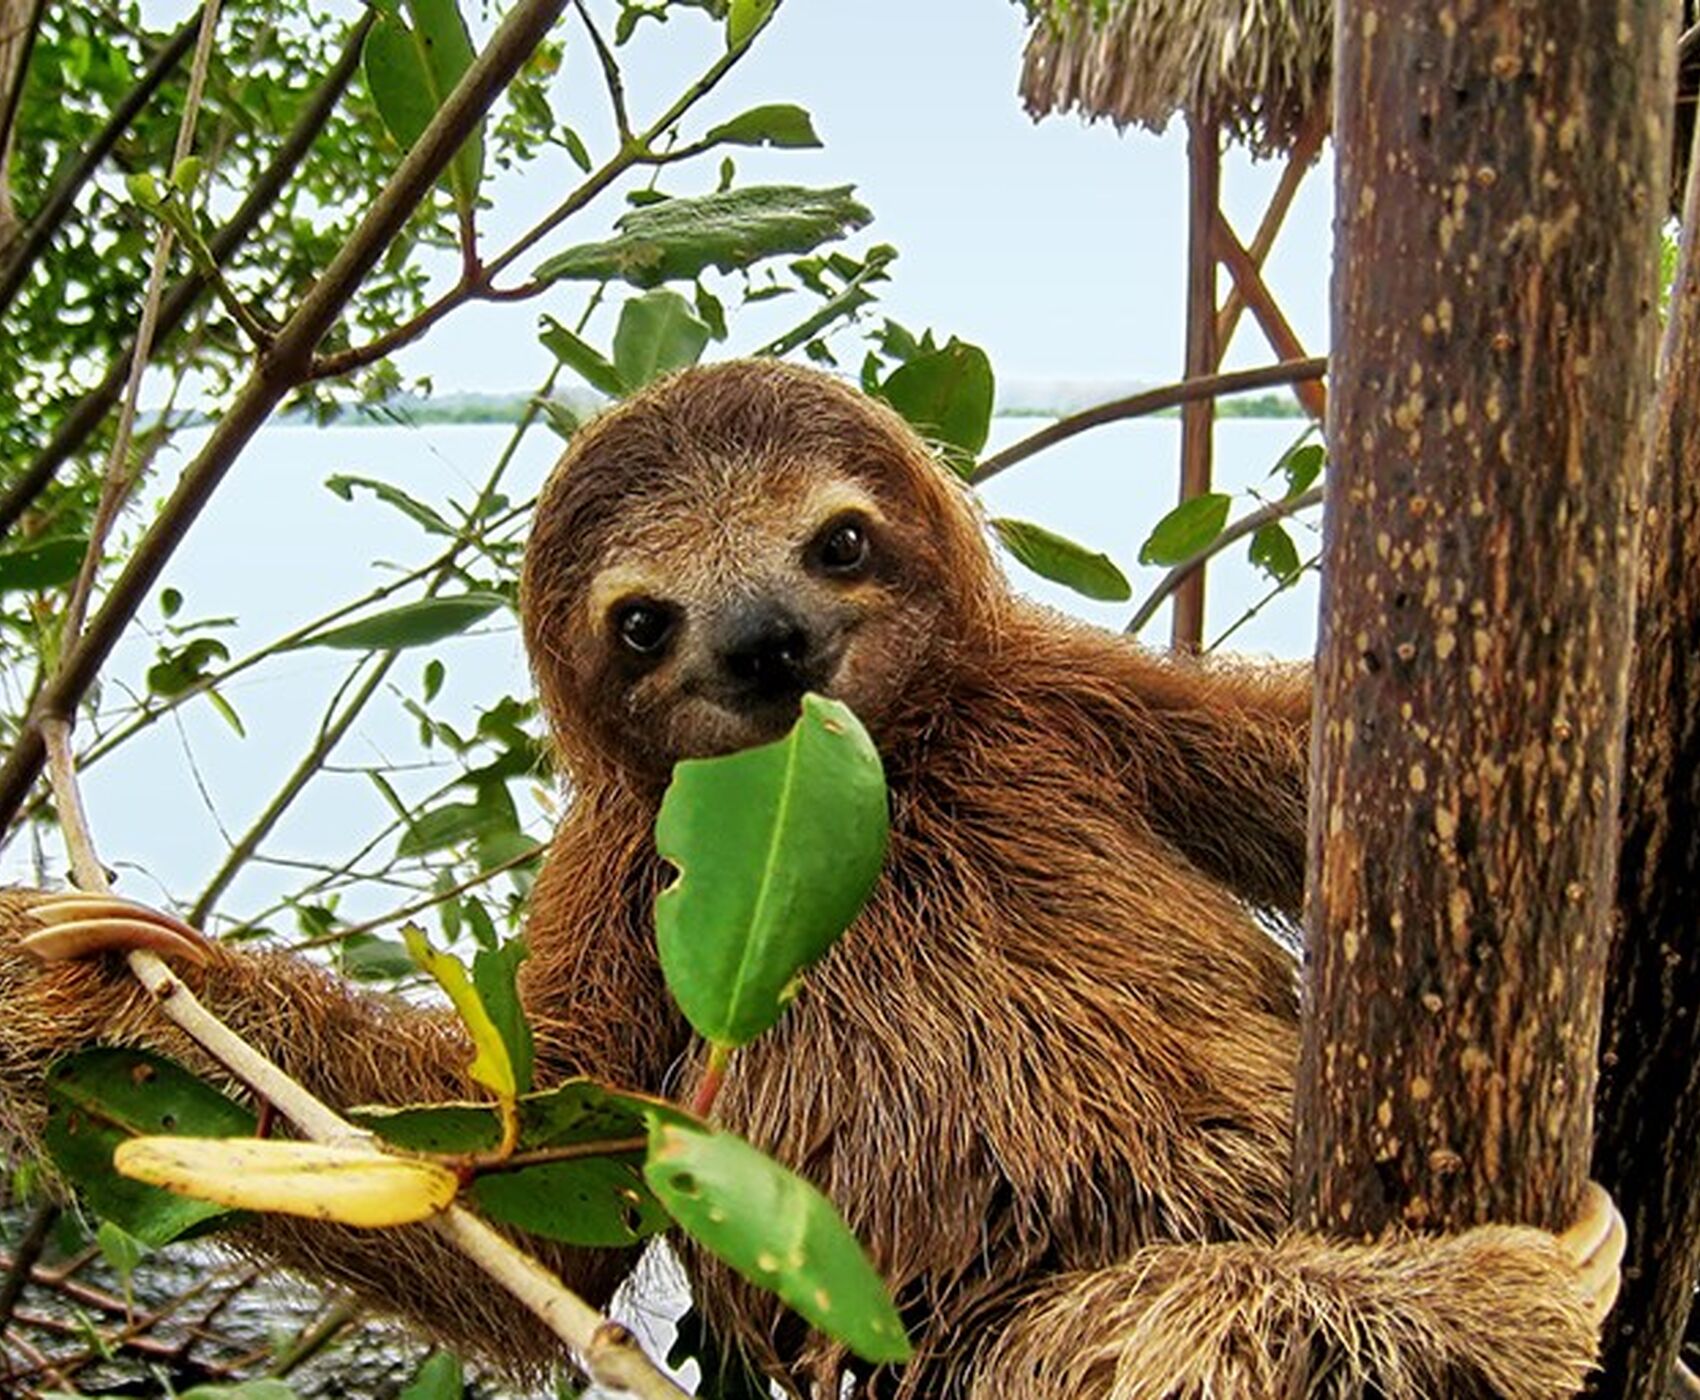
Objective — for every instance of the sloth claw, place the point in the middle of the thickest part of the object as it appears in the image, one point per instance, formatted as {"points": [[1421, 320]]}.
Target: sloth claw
{"points": [[1595, 1245], [82, 925]]}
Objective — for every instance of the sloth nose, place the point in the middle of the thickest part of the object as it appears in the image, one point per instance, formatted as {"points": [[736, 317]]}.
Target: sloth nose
{"points": [[766, 650]]}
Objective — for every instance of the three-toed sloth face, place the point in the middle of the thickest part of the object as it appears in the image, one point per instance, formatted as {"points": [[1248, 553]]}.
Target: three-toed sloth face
{"points": [[732, 538]]}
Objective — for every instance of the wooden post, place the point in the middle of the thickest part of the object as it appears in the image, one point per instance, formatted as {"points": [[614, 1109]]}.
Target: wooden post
{"points": [[1283, 340], [1204, 182], [1499, 185], [1648, 1120]]}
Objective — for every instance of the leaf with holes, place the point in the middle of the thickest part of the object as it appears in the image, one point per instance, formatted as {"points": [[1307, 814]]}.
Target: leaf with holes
{"points": [[777, 848], [100, 1098], [1061, 560], [731, 230], [777, 1231], [1273, 551]]}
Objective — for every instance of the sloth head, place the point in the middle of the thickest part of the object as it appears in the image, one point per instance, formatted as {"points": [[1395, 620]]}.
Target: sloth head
{"points": [[730, 538]]}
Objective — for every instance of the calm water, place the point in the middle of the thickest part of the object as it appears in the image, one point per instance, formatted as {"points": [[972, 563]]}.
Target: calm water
{"points": [[275, 549]]}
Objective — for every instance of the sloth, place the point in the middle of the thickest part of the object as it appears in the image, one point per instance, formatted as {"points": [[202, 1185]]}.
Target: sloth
{"points": [[1047, 1075]]}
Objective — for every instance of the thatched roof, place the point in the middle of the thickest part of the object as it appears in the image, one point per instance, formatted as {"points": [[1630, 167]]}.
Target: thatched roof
{"points": [[1261, 65]]}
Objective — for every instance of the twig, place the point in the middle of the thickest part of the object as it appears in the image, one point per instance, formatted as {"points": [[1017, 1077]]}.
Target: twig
{"points": [[13, 94], [115, 485], [1208, 386], [17, 260], [1263, 602], [610, 75], [1248, 525], [86, 414], [30, 1245], [419, 906], [608, 1352]]}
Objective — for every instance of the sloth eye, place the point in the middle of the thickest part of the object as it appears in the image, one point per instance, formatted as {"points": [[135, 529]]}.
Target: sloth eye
{"points": [[643, 627], [843, 548]]}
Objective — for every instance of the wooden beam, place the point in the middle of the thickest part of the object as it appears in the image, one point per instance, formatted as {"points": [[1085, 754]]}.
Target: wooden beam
{"points": [[1204, 183], [1248, 281]]}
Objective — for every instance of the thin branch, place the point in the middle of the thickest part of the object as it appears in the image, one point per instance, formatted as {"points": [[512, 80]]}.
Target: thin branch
{"points": [[330, 735], [610, 75], [1688, 45], [15, 87], [430, 901], [281, 369], [88, 412], [118, 478], [1151, 401], [1248, 525], [1269, 597], [30, 1245], [16, 262]]}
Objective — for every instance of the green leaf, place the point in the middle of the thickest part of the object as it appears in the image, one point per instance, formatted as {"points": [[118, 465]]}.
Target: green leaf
{"points": [[99, 1098], [46, 564], [449, 825], [658, 333], [411, 71], [730, 230], [777, 848], [1301, 467], [945, 395], [713, 314], [575, 148], [170, 600], [494, 973], [440, 1378], [780, 124], [777, 1231], [1061, 560], [559, 417], [177, 671], [583, 359], [417, 511], [1185, 530], [368, 958], [242, 1390], [121, 1250], [744, 19], [1273, 551], [431, 680], [594, 1200], [411, 625], [491, 1065]]}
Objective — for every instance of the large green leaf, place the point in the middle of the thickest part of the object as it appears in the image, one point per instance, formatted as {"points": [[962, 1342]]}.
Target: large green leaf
{"points": [[680, 238], [45, 564], [412, 69], [658, 333], [777, 1231], [412, 624], [1185, 530], [1060, 559], [101, 1097], [946, 395], [777, 124], [777, 848], [599, 1200]]}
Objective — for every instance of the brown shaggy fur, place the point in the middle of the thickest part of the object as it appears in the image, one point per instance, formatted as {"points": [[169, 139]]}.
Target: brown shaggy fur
{"points": [[1048, 1073]]}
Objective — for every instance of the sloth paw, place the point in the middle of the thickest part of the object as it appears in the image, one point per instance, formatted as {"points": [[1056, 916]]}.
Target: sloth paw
{"points": [[1595, 1245], [77, 925]]}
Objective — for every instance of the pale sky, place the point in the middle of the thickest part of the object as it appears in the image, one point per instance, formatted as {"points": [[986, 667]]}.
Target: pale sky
{"points": [[1058, 246]]}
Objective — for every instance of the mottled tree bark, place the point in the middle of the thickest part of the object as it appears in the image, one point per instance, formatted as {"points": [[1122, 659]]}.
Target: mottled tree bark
{"points": [[1648, 1118], [1501, 171]]}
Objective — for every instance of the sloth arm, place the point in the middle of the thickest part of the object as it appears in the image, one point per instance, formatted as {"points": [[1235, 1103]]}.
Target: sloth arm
{"points": [[1494, 1311], [347, 1047], [1213, 754]]}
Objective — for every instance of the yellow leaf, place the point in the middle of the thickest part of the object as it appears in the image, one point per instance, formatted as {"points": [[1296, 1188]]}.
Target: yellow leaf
{"points": [[491, 1066], [351, 1185]]}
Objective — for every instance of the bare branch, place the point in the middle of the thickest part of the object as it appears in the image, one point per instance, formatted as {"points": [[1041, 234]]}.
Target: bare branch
{"points": [[1141, 405]]}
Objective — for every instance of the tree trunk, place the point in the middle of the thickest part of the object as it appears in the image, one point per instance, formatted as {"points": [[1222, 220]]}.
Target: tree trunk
{"points": [[1501, 171], [1648, 1120]]}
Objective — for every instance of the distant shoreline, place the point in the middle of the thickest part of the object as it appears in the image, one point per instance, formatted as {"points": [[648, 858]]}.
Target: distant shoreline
{"points": [[408, 410]]}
